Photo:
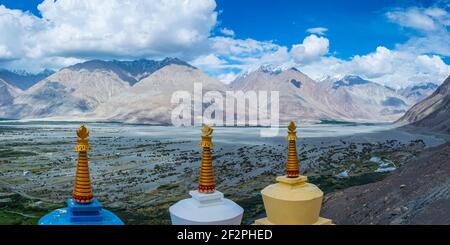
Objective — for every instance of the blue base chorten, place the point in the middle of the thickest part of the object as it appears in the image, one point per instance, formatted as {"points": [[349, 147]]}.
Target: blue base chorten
{"points": [[81, 214]]}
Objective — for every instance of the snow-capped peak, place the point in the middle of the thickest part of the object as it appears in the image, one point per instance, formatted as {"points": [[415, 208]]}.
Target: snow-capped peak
{"points": [[267, 69], [273, 70], [331, 78], [348, 81]]}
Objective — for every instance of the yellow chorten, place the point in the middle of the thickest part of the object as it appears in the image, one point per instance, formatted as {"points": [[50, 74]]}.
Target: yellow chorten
{"points": [[206, 183], [292, 201], [82, 191]]}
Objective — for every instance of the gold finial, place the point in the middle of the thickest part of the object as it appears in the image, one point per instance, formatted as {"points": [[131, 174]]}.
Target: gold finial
{"points": [[207, 131], [206, 136], [82, 191], [292, 134], [292, 164], [206, 181], [83, 132]]}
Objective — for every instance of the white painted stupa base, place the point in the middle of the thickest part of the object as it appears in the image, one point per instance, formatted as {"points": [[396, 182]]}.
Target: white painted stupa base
{"points": [[206, 209]]}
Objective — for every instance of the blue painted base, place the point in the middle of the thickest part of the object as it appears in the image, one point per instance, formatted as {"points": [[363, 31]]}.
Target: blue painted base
{"points": [[81, 214]]}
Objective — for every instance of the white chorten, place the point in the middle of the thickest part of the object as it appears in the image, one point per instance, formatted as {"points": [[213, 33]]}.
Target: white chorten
{"points": [[206, 206]]}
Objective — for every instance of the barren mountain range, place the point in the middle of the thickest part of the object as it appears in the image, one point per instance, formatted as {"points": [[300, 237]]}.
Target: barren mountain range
{"points": [[140, 91], [416, 193]]}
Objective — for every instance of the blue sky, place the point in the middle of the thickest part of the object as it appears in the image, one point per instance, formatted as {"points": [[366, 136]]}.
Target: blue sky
{"points": [[227, 37], [355, 26]]}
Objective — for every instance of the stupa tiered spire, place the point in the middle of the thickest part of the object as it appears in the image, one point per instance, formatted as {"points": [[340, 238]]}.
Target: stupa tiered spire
{"points": [[292, 166], [82, 191], [82, 208], [206, 183], [207, 206]]}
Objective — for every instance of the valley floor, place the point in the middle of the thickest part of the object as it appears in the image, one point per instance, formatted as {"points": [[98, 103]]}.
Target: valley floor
{"points": [[139, 171]]}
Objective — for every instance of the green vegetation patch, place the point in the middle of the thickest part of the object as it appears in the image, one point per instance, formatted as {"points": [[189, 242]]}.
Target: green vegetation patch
{"points": [[17, 210]]}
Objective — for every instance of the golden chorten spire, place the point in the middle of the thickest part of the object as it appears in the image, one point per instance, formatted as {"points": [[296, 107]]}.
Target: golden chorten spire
{"points": [[292, 167], [206, 181], [82, 191]]}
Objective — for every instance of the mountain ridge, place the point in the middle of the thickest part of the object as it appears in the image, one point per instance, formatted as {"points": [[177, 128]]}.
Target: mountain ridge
{"points": [[130, 71], [356, 97], [418, 92], [23, 79], [433, 113]]}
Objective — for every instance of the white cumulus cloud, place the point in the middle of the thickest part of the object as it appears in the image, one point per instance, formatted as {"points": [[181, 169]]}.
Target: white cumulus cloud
{"points": [[108, 29], [388, 67], [312, 48], [5, 54], [432, 64], [376, 64], [245, 53], [17, 32], [432, 40]]}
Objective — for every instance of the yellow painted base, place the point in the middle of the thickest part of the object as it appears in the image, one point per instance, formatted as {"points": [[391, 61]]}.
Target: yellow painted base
{"points": [[292, 201], [321, 221]]}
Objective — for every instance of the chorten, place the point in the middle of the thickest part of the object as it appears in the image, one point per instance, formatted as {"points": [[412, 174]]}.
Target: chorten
{"points": [[292, 201], [207, 206], [82, 208]]}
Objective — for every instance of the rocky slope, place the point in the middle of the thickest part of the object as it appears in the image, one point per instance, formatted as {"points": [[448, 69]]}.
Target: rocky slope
{"points": [[300, 96], [432, 113], [8, 92], [149, 100], [416, 193], [417, 93], [360, 99], [69, 92], [348, 98]]}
